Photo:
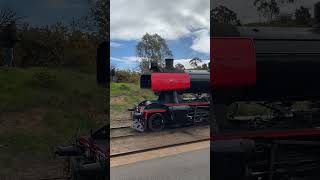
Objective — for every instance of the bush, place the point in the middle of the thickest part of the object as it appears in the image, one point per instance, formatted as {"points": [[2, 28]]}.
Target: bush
{"points": [[55, 46], [127, 76], [44, 79]]}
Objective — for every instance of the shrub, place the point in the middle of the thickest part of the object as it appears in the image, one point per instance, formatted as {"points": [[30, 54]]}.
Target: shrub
{"points": [[55, 46], [44, 79], [127, 76]]}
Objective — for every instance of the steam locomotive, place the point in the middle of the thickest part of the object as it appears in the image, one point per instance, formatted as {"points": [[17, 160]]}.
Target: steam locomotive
{"points": [[171, 108], [273, 67]]}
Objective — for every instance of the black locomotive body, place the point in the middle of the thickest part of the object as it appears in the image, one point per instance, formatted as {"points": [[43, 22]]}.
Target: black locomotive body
{"points": [[274, 67], [155, 115]]}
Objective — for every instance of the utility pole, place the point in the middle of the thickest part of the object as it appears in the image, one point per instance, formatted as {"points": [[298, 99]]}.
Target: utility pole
{"points": [[10, 40]]}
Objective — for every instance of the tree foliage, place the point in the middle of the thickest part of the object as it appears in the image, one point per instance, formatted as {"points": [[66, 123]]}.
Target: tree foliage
{"points": [[284, 18], [100, 12], [302, 15], [267, 8], [180, 67], [195, 61], [224, 15], [8, 16], [56, 45], [270, 8], [126, 76], [152, 48], [205, 66]]}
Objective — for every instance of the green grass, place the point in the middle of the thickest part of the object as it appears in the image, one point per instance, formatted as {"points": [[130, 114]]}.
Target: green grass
{"points": [[42, 107], [125, 95]]}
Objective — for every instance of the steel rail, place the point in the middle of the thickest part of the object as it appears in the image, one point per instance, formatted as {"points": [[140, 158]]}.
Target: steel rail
{"points": [[157, 148]]}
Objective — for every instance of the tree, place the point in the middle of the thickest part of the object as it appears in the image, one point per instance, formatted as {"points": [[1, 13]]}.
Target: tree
{"points": [[268, 8], [286, 1], [8, 16], [152, 48], [284, 18], [180, 67], [224, 15], [101, 14], [302, 15], [194, 62], [205, 66]]}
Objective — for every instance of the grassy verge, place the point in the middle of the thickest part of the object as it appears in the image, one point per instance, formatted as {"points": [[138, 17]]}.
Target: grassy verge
{"points": [[125, 95], [41, 108]]}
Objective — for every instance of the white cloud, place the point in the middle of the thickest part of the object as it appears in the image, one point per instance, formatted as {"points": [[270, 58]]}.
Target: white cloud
{"points": [[115, 44], [126, 59], [171, 19], [185, 62], [201, 42]]}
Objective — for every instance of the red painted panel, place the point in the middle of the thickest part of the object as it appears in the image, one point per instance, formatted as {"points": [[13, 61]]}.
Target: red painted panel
{"points": [[170, 81], [233, 62]]}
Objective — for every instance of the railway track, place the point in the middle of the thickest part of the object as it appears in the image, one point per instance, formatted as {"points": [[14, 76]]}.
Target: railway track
{"points": [[157, 148], [127, 131], [122, 132]]}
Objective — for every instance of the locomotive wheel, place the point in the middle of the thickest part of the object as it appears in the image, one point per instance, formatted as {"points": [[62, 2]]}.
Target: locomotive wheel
{"points": [[156, 122]]}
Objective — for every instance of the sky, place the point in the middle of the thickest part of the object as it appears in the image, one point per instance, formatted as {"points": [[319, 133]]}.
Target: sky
{"points": [[47, 12], [184, 24]]}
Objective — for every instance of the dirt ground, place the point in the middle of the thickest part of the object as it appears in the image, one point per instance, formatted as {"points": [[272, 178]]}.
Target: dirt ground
{"points": [[37, 169], [156, 139], [120, 119]]}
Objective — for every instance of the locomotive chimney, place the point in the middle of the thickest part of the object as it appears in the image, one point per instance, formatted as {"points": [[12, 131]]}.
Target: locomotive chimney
{"points": [[317, 15], [169, 63]]}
